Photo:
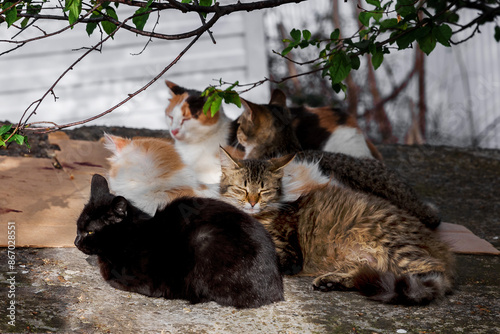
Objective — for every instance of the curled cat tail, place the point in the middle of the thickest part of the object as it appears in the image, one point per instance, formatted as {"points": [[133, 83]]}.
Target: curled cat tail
{"points": [[407, 289]]}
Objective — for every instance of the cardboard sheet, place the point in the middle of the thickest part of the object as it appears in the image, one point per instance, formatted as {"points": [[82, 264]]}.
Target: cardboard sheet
{"points": [[47, 195]]}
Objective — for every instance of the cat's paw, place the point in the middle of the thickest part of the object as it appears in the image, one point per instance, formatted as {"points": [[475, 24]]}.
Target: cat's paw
{"points": [[332, 281]]}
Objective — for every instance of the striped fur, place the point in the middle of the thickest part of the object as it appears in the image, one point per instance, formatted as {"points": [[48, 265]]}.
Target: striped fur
{"points": [[346, 239]]}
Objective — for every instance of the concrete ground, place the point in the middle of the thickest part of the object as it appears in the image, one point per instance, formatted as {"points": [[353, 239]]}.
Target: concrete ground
{"points": [[60, 290]]}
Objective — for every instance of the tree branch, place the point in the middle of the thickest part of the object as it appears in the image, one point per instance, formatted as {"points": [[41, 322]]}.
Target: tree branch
{"points": [[57, 127]]}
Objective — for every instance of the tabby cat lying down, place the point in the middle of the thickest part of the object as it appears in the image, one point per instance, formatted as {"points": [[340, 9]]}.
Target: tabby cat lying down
{"points": [[197, 249], [348, 240]]}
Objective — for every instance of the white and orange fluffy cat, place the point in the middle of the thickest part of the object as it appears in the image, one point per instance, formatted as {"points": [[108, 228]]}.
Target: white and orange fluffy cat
{"points": [[197, 135], [150, 173]]}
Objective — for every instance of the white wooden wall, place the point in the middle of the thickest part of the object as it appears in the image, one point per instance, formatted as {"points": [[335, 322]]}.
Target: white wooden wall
{"points": [[103, 79]]}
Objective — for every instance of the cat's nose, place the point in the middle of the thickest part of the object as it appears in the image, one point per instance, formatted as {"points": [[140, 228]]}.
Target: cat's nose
{"points": [[174, 132], [253, 200]]}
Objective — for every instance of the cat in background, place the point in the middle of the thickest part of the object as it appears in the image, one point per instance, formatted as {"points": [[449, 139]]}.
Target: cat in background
{"points": [[277, 138], [197, 249], [346, 239], [151, 173], [198, 136], [293, 129]]}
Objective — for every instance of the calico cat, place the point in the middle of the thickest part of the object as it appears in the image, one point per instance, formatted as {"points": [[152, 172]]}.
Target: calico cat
{"points": [[272, 135], [197, 249], [293, 129], [198, 136], [151, 173], [348, 240]]}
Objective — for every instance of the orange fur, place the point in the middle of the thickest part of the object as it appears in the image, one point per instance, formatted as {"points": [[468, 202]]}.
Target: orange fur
{"points": [[175, 100]]}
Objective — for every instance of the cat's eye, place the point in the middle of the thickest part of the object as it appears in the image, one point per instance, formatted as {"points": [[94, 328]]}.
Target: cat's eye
{"points": [[245, 183], [262, 185], [90, 232]]}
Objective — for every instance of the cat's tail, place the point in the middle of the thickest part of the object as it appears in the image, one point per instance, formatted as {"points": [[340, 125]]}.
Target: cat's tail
{"points": [[408, 289]]}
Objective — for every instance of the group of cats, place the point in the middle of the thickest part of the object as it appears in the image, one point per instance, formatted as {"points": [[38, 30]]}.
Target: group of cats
{"points": [[227, 207]]}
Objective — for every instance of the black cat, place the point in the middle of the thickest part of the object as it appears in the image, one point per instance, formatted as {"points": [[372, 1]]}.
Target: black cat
{"points": [[197, 249]]}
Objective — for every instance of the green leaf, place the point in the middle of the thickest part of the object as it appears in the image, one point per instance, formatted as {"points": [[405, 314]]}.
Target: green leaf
{"points": [[427, 43], [24, 23], [497, 33], [2, 143], [375, 3], [295, 34], [422, 32], [206, 3], [405, 7], [405, 40], [389, 23], [140, 20], [377, 59], [233, 98], [75, 8], [186, 1], [208, 103], [214, 108], [307, 34], [17, 138], [230, 88], [92, 25], [355, 62], [443, 34], [109, 27], [11, 14], [340, 67], [286, 50], [363, 33], [337, 87], [364, 18], [335, 34], [377, 16], [5, 128]]}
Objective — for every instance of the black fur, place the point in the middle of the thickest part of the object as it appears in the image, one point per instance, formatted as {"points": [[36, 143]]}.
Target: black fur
{"points": [[308, 130], [197, 249]]}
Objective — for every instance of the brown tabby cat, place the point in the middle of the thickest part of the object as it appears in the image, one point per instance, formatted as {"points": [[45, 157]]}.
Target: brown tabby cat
{"points": [[271, 134], [348, 240]]}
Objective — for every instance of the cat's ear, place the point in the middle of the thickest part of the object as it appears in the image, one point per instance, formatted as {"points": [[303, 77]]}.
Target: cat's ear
{"points": [[99, 187], [227, 161], [251, 110], [281, 162], [119, 206], [278, 98], [114, 143], [174, 88]]}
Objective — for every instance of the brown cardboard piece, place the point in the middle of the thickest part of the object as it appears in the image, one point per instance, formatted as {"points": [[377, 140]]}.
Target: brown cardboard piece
{"points": [[44, 201]]}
